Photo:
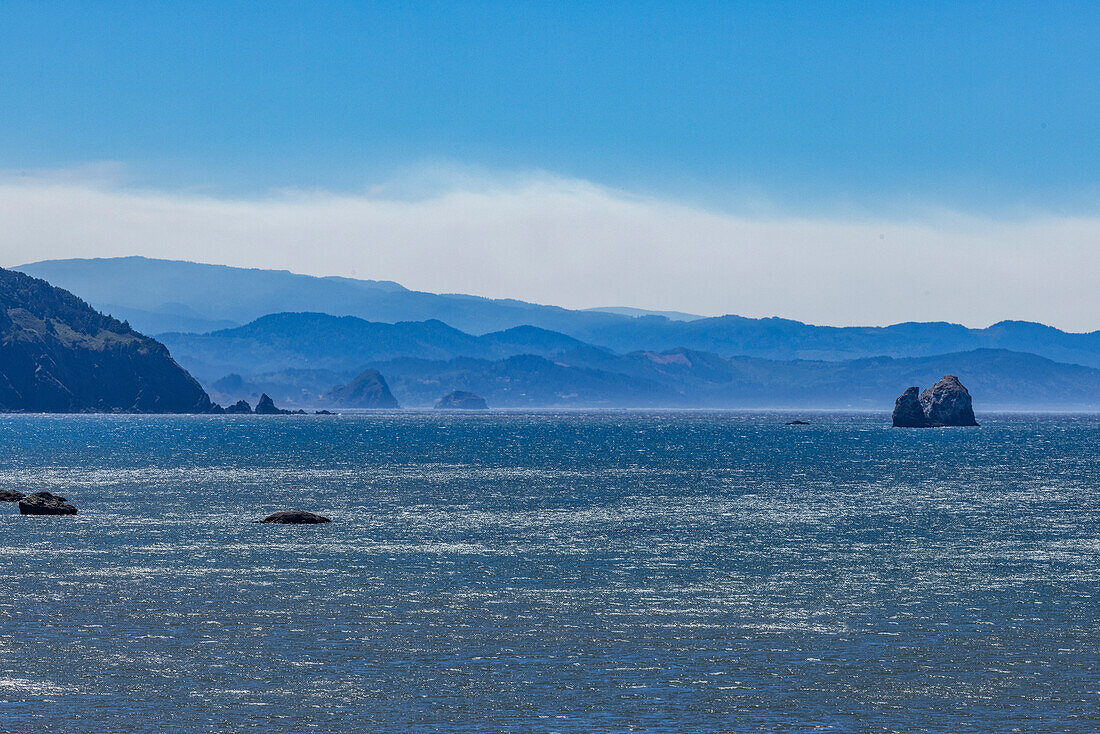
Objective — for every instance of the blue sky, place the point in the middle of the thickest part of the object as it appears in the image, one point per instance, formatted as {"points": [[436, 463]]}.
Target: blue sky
{"points": [[971, 102], [847, 163]]}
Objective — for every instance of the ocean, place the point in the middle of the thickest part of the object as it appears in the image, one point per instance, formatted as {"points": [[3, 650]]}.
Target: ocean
{"points": [[551, 572]]}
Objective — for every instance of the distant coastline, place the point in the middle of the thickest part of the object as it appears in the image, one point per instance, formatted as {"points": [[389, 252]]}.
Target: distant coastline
{"points": [[413, 354]]}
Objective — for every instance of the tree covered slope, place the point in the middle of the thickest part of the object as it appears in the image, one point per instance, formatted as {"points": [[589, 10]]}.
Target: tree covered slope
{"points": [[57, 354]]}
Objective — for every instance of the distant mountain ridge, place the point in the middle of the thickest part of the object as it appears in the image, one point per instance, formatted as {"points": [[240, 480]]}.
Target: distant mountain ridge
{"points": [[59, 354], [346, 343], [998, 379], [166, 295], [684, 379], [637, 312], [300, 358], [160, 296], [776, 338]]}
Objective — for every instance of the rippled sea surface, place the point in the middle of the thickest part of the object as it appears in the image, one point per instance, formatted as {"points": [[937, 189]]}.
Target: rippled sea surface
{"points": [[658, 572]]}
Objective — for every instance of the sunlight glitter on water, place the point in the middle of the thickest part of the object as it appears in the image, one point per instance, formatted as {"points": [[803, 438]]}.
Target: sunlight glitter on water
{"points": [[573, 573]]}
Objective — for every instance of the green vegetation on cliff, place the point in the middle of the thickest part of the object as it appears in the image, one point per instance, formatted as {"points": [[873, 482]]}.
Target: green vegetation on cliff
{"points": [[59, 355]]}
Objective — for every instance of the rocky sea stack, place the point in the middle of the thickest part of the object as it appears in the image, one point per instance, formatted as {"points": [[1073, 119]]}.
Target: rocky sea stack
{"points": [[266, 406], [44, 503], [368, 390], [907, 410], [947, 403], [59, 355], [461, 400]]}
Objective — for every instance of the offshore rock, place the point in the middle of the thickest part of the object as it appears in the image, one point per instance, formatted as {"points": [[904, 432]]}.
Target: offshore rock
{"points": [[241, 407], [294, 517], [368, 390], [44, 503], [461, 400], [908, 412], [266, 406], [948, 403], [10, 495]]}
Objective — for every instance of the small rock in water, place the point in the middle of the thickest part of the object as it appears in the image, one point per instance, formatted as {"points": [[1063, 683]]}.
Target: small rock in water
{"points": [[461, 400], [10, 495], [241, 407], [294, 517], [44, 503], [798, 423]]}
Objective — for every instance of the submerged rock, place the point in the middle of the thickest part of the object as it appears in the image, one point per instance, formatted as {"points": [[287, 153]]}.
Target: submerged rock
{"points": [[798, 423], [10, 495], [461, 400], [294, 517], [44, 503], [947, 403]]}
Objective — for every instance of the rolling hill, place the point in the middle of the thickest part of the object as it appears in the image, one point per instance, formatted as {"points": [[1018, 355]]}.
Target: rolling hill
{"points": [[345, 343]]}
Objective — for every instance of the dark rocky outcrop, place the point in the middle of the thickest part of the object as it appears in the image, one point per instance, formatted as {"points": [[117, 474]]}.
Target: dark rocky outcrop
{"points": [[908, 412], [798, 423], [947, 403], [266, 406], [58, 355], [368, 390], [241, 407], [44, 503], [10, 495], [294, 517], [461, 400]]}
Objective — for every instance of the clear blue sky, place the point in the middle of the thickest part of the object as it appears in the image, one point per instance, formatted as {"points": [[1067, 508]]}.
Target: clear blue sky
{"points": [[959, 103]]}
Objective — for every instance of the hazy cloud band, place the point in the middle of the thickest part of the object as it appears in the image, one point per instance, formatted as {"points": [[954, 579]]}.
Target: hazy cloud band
{"points": [[576, 244]]}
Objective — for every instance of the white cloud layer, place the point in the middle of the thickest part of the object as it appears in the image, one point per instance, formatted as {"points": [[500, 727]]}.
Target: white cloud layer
{"points": [[575, 244]]}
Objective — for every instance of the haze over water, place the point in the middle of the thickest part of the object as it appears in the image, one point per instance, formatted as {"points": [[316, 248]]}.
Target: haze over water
{"points": [[551, 573]]}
